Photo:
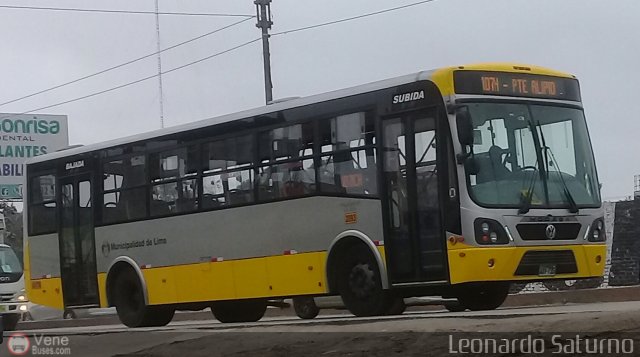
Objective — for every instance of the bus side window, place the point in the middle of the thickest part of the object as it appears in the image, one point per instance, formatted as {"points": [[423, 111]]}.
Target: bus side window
{"points": [[173, 177], [228, 172], [348, 164], [42, 204], [124, 186], [287, 168]]}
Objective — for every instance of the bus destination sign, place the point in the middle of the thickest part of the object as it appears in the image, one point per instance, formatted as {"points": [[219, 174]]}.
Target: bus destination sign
{"points": [[516, 85]]}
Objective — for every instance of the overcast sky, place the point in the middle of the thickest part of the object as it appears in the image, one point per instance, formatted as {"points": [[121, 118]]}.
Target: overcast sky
{"points": [[599, 41]]}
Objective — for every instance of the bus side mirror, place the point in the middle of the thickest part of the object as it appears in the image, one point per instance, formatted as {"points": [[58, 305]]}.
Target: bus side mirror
{"points": [[465, 126]]}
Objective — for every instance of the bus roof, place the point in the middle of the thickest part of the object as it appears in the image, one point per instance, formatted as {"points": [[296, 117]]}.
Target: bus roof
{"points": [[298, 102]]}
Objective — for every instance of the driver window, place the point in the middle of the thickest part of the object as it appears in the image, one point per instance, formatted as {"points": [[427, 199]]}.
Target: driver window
{"points": [[490, 150], [492, 133], [525, 148], [559, 138]]}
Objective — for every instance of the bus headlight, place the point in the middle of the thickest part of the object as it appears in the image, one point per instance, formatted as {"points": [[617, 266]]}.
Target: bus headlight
{"points": [[489, 231], [20, 296], [597, 233]]}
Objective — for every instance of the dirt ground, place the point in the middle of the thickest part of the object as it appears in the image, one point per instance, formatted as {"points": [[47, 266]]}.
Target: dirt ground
{"points": [[416, 336]]}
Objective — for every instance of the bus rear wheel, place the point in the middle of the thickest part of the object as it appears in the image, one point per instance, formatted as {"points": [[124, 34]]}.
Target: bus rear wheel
{"points": [[305, 307], [483, 296], [239, 310], [360, 285], [397, 307], [131, 307]]}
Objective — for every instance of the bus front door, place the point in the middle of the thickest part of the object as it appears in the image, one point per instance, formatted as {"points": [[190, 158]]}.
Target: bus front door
{"points": [[77, 243], [415, 242]]}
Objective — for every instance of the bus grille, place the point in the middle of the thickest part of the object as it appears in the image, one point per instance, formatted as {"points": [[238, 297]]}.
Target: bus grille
{"points": [[564, 261], [537, 231]]}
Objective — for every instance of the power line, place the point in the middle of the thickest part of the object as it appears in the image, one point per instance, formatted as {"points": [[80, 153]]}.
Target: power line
{"points": [[125, 63], [349, 18], [136, 81], [121, 11], [192, 63]]}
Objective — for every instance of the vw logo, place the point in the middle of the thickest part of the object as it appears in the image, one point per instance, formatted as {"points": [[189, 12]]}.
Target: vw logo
{"points": [[550, 231]]}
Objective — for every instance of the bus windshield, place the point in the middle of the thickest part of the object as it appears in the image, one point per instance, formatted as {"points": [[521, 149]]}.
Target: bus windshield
{"points": [[9, 262], [540, 154]]}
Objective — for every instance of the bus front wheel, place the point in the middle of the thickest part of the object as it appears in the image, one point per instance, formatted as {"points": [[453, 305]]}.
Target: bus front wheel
{"points": [[239, 310], [131, 307], [360, 285], [483, 296], [397, 307]]}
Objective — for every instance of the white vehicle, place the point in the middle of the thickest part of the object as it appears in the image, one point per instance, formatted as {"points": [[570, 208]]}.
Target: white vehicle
{"points": [[13, 301]]}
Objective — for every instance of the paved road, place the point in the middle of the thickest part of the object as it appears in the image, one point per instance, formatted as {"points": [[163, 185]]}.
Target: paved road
{"points": [[277, 335]]}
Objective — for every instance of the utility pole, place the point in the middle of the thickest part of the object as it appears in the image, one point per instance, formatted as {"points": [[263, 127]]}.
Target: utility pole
{"points": [[263, 14], [159, 65]]}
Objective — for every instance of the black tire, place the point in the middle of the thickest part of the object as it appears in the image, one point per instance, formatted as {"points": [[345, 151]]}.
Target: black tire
{"points": [[69, 314], [10, 321], [397, 307], [454, 306], [239, 310], [305, 307], [130, 304], [359, 284], [27, 316], [483, 296]]}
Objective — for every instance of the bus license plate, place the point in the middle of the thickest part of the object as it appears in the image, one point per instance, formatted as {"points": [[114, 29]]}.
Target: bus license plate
{"points": [[547, 269], [3, 308]]}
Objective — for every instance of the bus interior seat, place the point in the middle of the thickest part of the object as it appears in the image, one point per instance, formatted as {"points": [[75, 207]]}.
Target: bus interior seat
{"points": [[159, 207], [186, 204]]}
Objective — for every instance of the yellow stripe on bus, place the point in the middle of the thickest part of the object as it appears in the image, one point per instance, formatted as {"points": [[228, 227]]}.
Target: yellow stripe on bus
{"points": [[284, 275], [46, 292], [472, 264]]}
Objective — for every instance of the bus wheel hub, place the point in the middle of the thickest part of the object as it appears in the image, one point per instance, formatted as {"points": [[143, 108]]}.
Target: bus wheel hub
{"points": [[361, 280]]}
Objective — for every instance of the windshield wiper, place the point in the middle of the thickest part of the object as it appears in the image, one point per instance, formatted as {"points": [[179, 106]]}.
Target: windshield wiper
{"points": [[573, 207], [526, 199]]}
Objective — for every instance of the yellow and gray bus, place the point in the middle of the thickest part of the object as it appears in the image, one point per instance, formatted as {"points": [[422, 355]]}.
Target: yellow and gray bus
{"points": [[453, 182]]}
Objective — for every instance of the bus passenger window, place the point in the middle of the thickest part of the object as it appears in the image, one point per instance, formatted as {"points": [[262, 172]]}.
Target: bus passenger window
{"points": [[348, 164], [228, 172], [174, 187], [124, 188], [42, 204], [287, 168]]}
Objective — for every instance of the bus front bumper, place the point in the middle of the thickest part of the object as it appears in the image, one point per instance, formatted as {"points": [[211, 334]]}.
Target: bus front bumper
{"points": [[473, 264], [14, 307]]}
